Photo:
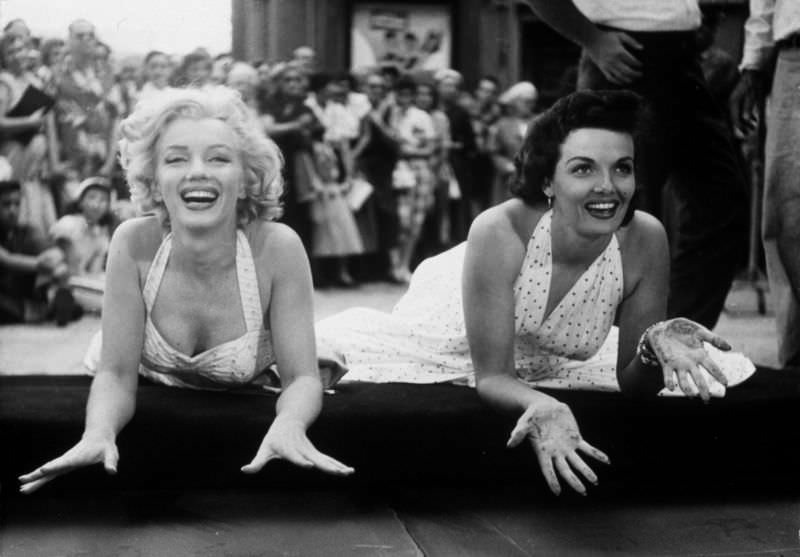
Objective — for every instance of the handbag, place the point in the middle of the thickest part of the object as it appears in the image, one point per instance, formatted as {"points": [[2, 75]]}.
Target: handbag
{"points": [[359, 192], [453, 188], [403, 177]]}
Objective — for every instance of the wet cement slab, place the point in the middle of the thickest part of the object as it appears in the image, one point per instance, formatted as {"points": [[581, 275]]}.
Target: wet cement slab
{"points": [[434, 522]]}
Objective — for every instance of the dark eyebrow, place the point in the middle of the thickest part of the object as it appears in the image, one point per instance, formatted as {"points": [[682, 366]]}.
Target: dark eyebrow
{"points": [[579, 158]]}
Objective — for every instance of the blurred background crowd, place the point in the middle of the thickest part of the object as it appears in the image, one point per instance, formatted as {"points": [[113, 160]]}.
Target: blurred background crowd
{"points": [[382, 167]]}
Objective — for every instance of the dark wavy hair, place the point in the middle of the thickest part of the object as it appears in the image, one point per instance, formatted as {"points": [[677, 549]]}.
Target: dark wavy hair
{"points": [[619, 111]]}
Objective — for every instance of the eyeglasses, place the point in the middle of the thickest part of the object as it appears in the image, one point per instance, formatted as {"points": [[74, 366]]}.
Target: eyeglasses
{"points": [[84, 36]]}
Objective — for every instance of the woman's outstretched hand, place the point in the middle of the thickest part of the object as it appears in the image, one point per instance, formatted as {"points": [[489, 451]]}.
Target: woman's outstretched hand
{"points": [[89, 450], [287, 439], [554, 434], [678, 345]]}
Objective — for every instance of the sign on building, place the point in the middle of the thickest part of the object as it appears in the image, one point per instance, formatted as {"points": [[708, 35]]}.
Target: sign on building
{"points": [[412, 37]]}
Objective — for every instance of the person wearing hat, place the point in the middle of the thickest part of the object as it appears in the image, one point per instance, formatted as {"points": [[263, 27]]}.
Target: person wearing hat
{"points": [[508, 134], [26, 263], [84, 237]]}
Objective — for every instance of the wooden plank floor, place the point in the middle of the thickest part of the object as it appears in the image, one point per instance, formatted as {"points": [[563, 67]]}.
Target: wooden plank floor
{"points": [[423, 522]]}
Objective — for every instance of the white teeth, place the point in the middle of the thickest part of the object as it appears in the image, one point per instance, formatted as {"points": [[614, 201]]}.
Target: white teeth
{"points": [[601, 206], [199, 195]]}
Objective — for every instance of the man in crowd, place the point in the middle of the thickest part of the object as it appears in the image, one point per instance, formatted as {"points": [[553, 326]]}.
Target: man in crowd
{"points": [[649, 46], [87, 117], [462, 150], [773, 32], [485, 115], [24, 260]]}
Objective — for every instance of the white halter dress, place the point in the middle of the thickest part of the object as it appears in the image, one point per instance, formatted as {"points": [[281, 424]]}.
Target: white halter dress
{"points": [[245, 360], [423, 339]]}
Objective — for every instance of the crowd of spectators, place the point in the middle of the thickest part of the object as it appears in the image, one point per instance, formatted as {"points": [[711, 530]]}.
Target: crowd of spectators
{"points": [[381, 168]]}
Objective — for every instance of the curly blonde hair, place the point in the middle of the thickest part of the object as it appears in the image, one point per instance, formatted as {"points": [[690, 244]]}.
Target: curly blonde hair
{"points": [[261, 158]]}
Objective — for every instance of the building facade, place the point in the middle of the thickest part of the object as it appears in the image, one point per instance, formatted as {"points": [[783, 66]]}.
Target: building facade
{"points": [[497, 37]]}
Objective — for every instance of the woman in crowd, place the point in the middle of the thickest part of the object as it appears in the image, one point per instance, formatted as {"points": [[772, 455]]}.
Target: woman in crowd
{"points": [[24, 112], [52, 51], [335, 235], [412, 177], [157, 70], [206, 292], [243, 77], [507, 135], [529, 300], [194, 70], [428, 100], [292, 124]]}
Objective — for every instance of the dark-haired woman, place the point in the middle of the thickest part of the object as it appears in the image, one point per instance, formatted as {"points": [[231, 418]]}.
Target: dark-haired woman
{"points": [[529, 300]]}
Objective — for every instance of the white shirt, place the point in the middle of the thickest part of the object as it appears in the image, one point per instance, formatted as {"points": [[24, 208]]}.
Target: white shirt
{"points": [[358, 104], [642, 15], [414, 126], [769, 22]]}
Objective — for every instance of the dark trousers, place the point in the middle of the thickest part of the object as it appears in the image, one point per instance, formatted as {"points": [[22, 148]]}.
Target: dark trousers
{"points": [[691, 148]]}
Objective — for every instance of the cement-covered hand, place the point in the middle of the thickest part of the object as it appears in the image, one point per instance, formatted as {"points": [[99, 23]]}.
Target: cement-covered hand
{"points": [[556, 440], [678, 345]]}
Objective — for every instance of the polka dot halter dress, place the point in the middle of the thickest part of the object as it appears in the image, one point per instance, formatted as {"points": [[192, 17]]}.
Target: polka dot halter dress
{"points": [[423, 339]]}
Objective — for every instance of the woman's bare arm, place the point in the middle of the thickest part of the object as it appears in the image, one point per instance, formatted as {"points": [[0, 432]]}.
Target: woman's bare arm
{"points": [[112, 397], [291, 318], [495, 253], [644, 304]]}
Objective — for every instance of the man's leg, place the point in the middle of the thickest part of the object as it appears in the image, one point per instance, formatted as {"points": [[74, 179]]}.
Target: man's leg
{"points": [[781, 224], [709, 184], [691, 147]]}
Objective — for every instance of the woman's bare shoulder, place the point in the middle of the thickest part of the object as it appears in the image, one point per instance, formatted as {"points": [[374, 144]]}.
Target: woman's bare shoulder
{"points": [[643, 237], [269, 238], [500, 234], [139, 237], [511, 220]]}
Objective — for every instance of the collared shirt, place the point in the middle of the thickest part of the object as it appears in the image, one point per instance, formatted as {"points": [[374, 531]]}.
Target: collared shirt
{"points": [[643, 15], [769, 22]]}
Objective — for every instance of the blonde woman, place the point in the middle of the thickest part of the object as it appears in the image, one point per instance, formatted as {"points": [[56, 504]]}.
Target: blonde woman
{"points": [[207, 292]]}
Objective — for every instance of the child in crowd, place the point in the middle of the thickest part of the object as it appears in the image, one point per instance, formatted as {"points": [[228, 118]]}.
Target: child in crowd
{"points": [[84, 237], [27, 266]]}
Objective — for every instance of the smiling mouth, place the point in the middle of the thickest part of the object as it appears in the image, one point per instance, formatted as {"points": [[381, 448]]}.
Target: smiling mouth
{"points": [[199, 198], [602, 209]]}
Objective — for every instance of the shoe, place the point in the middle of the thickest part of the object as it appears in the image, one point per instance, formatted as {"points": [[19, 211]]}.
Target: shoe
{"points": [[345, 280], [64, 307], [399, 276]]}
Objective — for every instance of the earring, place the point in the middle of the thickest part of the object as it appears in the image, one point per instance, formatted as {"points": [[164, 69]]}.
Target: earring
{"points": [[549, 201]]}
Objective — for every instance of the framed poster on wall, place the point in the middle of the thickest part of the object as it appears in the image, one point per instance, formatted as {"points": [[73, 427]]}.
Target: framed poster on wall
{"points": [[412, 37]]}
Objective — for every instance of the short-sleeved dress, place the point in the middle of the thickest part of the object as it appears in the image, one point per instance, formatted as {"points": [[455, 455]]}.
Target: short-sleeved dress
{"points": [[423, 339]]}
